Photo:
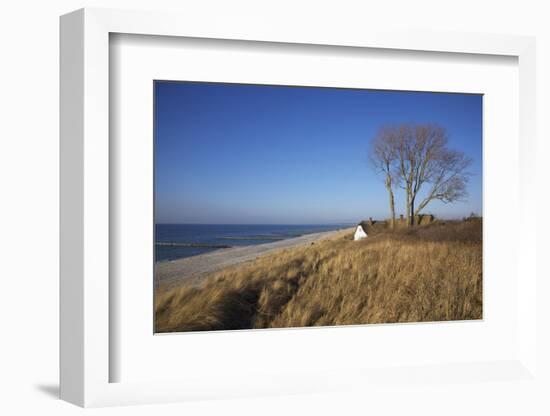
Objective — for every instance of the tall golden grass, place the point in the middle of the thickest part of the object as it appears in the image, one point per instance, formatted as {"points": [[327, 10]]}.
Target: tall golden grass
{"points": [[426, 273]]}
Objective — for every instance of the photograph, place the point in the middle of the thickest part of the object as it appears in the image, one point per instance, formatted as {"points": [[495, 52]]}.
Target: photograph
{"points": [[281, 206]]}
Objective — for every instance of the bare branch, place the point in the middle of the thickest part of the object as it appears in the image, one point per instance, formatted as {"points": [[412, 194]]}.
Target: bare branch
{"points": [[383, 158], [414, 156]]}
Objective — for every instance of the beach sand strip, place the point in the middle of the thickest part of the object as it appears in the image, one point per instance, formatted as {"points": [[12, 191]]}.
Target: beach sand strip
{"points": [[170, 273]]}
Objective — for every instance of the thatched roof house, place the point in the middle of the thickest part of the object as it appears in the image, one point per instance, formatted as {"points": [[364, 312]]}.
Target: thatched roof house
{"points": [[424, 219], [365, 227], [421, 219]]}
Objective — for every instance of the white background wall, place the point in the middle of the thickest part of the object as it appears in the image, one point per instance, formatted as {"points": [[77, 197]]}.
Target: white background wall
{"points": [[29, 183]]}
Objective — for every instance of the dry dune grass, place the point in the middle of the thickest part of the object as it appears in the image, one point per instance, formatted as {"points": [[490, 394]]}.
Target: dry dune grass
{"points": [[429, 273]]}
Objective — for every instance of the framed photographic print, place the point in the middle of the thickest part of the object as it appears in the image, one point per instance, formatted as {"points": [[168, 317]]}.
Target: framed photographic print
{"points": [[274, 211], [271, 206]]}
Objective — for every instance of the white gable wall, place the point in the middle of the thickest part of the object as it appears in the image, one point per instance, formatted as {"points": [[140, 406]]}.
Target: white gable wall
{"points": [[359, 233]]}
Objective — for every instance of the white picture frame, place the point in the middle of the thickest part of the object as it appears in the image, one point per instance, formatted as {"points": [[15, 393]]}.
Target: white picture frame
{"points": [[85, 219]]}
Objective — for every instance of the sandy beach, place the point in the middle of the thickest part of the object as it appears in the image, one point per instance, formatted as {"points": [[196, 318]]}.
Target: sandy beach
{"points": [[170, 273]]}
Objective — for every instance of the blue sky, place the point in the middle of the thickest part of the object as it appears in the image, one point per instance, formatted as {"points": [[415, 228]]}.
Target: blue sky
{"points": [[252, 154]]}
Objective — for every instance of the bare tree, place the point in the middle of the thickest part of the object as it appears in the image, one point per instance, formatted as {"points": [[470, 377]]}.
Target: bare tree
{"points": [[424, 159], [383, 159]]}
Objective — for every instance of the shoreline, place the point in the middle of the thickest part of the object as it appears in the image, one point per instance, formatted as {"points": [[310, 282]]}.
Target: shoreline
{"points": [[172, 272]]}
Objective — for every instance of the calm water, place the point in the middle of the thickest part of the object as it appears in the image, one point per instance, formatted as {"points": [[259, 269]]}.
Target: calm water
{"points": [[223, 235]]}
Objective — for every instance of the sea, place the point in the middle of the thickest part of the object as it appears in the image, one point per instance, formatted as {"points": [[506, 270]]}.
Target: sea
{"points": [[176, 241]]}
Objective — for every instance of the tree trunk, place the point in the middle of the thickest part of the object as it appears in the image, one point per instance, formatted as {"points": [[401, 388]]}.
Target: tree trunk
{"points": [[392, 208], [392, 202], [411, 213], [408, 208]]}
